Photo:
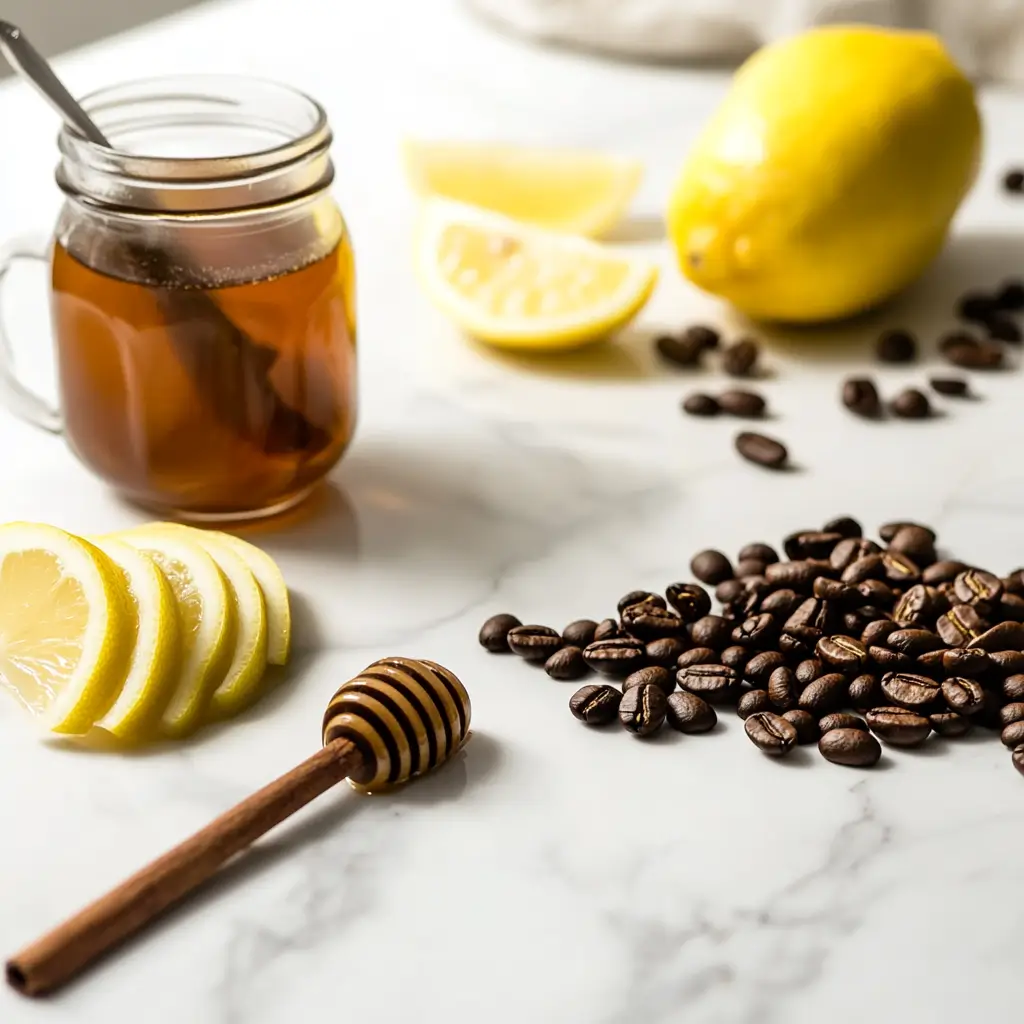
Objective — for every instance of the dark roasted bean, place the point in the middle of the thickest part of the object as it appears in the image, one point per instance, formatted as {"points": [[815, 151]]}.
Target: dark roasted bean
{"points": [[917, 607], [737, 402], [666, 651], [811, 544], [864, 691], [943, 572], [808, 670], [494, 632], [963, 695], [877, 632], [1012, 735], [1010, 606], [1006, 636], [848, 550], [1013, 688], [975, 306], [761, 666], [762, 552], [887, 660], [896, 346], [616, 658], [735, 657], [899, 569], [825, 694], [639, 597], [770, 733], [782, 688], [889, 530], [739, 359], [866, 568], [911, 404], [580, 633], [952, 387], [689, 713], [842, 652], [756, 631], [977, 587], [729, 592], [698, 403], [752, 702], [697, 656], [682, 351], [854, 748], [653, 675], [797, 575], [950, 724], [534, 643], [781, 603], [966, 661], [960, 625], [1002, 328], [750, 567], [1011, 296], [845, 526], [988, 716], [910, 690], [832, 590], [812, 612], [566, 663], [761, 449], [805, 723], [1006, 663], [860, 396], [1013, 583], [914, 642], [642, 709], [607, 629], [649, 621], [930, 664], [690, 601], [898, 726], [1013, 712], [715, 683], [595, 704], [711, 631], [711, 567], [916, 542], [841, 720], [970, 353]]}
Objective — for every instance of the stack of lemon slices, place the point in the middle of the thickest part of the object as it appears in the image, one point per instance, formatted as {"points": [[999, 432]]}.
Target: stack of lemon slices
{"points": [[504, 244], [147, 633]]}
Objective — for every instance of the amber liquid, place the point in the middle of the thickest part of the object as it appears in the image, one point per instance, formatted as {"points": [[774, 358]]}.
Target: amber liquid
{"points": [[158, 403]]}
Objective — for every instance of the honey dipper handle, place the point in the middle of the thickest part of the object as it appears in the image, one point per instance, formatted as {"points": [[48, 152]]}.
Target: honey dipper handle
{"points": [[57, 957]]}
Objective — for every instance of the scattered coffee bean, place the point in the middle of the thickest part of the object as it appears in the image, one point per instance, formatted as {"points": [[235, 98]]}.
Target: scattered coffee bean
{"points": [[798, 576], [1011, 606], [665, 651], [642, 709], [711, 567], [805, 723], [1005, 636], [688, 713], [648, 621], [700, 404], [866, 568], [808, 670], [1012, 735], [1007, 663], [752, 702], [960, 625], [580, 633], [653, 675], [943, 572], [1013, 181], [910, 690], [831, 590], [896, 346], [728, 592], [887, 660], [889, 530], [534, 643], [761, 666], [1018, 758], [915, 542], [950, 724], [494, 632], [782, 689], [697, 656], [878, 632], [735, 657], [746, 567], [762, 552], [690, 601], [595, 704], [756, 631], [1013, 712], [975, 306], [702, 335], [864, 691], [770, 733], [898, 726], [617, 658], [930, 664], [1001, 328], [845, 526], [781, 603], [842, 652], [1013, 688], [1010, 298], [607, 629], [737, 402], [639, 597], [823, 695], [566, 663], [761, 450], [979, 588], [681, 351], [914, 642], [739, 359], [841, 720], [970, 353], [811, 544], [963, 695], [852, 747], [965, 661], [861, 397], [952, 387], [911, 404], [715, 683], [711, 631]]}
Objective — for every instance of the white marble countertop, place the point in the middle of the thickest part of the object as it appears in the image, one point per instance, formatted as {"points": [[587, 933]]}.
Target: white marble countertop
{"points": [[552, 874]]}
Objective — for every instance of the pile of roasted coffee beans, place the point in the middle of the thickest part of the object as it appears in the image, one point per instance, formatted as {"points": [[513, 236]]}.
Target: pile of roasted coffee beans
{"points": [[842, 642]]}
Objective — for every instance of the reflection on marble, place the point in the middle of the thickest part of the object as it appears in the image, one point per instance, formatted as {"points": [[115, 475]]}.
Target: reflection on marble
{"points": [[551, 874]]}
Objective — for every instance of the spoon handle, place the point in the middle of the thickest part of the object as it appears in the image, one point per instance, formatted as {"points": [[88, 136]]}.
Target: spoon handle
{"points": [[28, 60]]}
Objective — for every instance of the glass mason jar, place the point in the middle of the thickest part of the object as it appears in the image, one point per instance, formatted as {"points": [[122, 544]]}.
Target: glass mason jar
{"points": [[202, 298]]}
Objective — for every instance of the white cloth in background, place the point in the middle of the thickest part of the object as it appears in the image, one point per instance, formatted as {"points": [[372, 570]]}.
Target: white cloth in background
{"points": [[985, 36]]}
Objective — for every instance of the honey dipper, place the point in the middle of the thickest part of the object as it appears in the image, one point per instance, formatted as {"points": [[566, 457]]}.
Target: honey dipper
{"points": [[392, 722]]}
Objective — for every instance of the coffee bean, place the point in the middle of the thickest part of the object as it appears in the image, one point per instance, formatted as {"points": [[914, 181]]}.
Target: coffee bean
{"points": [[963, 695], [1013, 712], [762, 552], [952, 387], [889, 530], [896, 346], [916, 542], [761, 450], [1013, 583], [761, 666], [1018, 758], [1011, 606], [682, 351], [1010, 297], [853, 748], [580, 633], [965, 661], [977, 587], [1002, 328], [700, 404], [714, 683], [898, 726], [899, 569], [930, 664], [735, 657], [842, 652], [798, 575], [688, 713], [782, 688], [950, 724], [756, 631], [648, 621], [876, 633], [753, 702], [909, 690], [665, 651], [970, 353], [595, 704], [747, 404], [1012, 735], [534, 643], [841, 720], [566, 663], [825, 694], [866, 568], [845, 526], [781, 603], [1006, 663], [811, 544], [697, 656], [642, 709], [914, 642], [1013, 181], [960, 625], [729, 592], [864, 691], [494, 632], [917, 607], [616, 658], [690, 601], [860, 396], [975, 306], [808, 670], [943, 572], [799, 643], [832, 590], [653, 675], [639, 597], [739, 359], [988, 716], [750, 567], [911, 404], [887, 660], [806, 725], [812, 613], [1006, 636], [711, 567], [607, 629], [770, 733], [1013, 688], [702, 335], [711, 631]]}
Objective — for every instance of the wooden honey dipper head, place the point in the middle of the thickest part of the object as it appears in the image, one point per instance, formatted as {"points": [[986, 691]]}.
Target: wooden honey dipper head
{"points": [[404, 716], [397, 719]]}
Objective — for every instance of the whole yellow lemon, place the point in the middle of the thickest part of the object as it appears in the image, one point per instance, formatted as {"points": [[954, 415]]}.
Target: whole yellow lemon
{"points": [[827, 178]]}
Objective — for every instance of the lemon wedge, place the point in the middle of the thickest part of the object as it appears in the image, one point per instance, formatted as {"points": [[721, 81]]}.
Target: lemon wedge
{"points": [[574, 191], [66, 626], [521, 287], [206, 618], [152, 670]]}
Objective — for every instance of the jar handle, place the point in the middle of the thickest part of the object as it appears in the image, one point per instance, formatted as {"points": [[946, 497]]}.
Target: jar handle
{"points": [[22, 401]]}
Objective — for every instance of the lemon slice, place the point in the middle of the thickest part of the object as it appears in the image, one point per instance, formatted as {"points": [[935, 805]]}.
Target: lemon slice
{"points": [[521, 287], [66, 626], [206, 618], [153, 668], [563, 190]]}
